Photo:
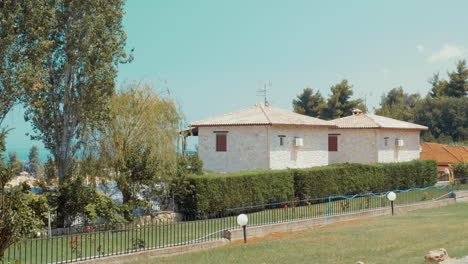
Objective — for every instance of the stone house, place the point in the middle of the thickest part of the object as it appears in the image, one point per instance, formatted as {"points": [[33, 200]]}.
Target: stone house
{"points": [[368, 138], [261, 137], [266, 137]]}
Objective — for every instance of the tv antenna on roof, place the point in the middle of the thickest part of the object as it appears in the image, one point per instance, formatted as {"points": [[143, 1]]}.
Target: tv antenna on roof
{"points": [[263, 92]]}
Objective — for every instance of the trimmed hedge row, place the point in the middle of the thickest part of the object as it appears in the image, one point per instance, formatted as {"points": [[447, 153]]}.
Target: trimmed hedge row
{"points": [[349, 178], [212, 194]]}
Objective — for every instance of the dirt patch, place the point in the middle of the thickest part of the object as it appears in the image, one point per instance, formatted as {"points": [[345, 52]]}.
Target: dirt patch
{"points": [[293, 233]]}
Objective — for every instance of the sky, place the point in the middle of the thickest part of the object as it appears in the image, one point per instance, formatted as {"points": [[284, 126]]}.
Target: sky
{"points": [[212, 56]]}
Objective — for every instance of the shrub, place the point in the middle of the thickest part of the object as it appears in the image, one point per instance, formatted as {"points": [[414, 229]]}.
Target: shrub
{"points": [[351, 178], [460, 170], [212, 194]]}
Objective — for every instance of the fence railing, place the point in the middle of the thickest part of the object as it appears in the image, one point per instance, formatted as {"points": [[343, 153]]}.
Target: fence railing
{"points": [[94, 244]]}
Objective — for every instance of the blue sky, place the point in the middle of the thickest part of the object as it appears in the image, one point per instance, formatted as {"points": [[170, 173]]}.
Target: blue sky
{"points": [[214, 55]]}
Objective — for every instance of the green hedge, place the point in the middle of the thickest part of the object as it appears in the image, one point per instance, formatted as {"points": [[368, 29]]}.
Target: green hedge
{"points": [[350, 178], [212, 194]]}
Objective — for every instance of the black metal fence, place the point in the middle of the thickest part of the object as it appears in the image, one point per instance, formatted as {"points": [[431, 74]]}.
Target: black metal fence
{"points": [[99, 241]]}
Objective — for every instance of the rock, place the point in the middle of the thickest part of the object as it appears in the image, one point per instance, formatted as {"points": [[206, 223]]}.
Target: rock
{"points": [[437, 255], [359, 262]]}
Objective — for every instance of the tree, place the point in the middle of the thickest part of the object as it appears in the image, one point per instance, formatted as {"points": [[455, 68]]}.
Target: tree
{"points": [[456, 86], [339, 103], [19, 211], [23, 38], [34, 162], [138, 142], [309, 103], [15, 162], [78, 69], [447, 118], [398, 105]]}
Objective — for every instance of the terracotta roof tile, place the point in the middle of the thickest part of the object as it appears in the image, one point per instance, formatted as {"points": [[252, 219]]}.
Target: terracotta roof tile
{"points": [[374, 121], [446, 154], [260, 114]]}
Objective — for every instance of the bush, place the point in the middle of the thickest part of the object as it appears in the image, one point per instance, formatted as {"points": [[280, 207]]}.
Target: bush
{"points": [[460, 170], [212, 194], [352, 178]]}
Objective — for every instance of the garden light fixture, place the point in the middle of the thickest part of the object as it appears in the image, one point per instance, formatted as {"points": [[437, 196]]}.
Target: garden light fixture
{"points": [[392, 197], [242, 220]]}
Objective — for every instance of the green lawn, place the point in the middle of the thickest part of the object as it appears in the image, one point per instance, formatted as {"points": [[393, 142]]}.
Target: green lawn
{"points": [[398, 239], [122, 241]]}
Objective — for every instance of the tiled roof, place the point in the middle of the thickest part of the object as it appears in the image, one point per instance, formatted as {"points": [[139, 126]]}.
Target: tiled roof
{"points": [[260, 114], [426, 146], [374, 121], [446, 154]]}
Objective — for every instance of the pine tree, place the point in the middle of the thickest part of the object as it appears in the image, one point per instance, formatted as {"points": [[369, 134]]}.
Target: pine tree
{"points": [[308, 103], [339, 103], [34, 162]]}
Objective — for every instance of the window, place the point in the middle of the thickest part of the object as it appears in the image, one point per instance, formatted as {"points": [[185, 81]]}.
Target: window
{"points": [[281, 138], [386, 141], [221, 142], [332, 143]]}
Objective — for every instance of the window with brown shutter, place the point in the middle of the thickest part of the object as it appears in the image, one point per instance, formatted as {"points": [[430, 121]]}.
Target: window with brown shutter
{"points": [[221, 140], [332, 143]]}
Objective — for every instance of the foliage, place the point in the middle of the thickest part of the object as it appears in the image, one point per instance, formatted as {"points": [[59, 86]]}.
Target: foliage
{"points": [[34, 162], [349, 178], [212, 194], [398, 105], [77, 70], [460, 169], [456, 86], [22, 31], [15, 162], [309, 103], [73, 201], [447, 118], [138, 142], [21, 213], [339, 103]]}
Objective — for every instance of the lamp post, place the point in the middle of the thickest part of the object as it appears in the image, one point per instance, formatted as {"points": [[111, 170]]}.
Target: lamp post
{"points": [[242, 220], [391, 196]]}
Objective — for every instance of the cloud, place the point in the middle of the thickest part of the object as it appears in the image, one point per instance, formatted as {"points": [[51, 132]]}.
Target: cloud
{"points": [[420, 48], [447, 52]]}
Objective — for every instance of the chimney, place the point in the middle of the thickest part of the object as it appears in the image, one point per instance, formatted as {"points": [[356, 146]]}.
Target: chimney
{"points": [[357, 111]]}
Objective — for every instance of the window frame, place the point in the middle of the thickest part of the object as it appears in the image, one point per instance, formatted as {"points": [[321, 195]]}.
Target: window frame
{"points": [[336, 143], [220, 137]]}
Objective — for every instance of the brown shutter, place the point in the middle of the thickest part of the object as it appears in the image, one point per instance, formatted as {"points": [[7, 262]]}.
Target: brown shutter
{"points": [[332, 143], [221, 142]]}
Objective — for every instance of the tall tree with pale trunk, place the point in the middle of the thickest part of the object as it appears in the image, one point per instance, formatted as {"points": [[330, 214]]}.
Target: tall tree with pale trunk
{"points": [[79, 67]]}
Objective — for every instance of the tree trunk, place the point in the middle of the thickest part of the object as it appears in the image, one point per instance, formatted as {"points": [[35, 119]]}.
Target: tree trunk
{"points": [[125, 189]]}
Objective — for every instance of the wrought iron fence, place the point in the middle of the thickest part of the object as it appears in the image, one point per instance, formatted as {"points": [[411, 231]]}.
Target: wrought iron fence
{"points": [[96, 243]]}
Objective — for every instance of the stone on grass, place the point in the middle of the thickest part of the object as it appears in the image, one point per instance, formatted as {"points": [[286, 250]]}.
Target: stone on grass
{"points": [[437, 255]]}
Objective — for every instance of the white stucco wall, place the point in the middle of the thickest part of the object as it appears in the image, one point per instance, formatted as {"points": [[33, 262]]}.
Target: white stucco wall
{"points": [[247, 148], [368, 146], [390, 153], [314, 152], [354, 146]]}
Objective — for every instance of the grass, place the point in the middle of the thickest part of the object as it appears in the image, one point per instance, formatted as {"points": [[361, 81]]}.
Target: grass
{"points": [[398, 239], [120, 241]]}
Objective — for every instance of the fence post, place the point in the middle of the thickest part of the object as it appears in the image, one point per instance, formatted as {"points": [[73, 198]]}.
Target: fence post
{"points": [[329, 209]]}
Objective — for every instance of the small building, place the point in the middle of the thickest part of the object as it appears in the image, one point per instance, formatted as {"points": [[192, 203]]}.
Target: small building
{"points": [[261, 137], [443, 155], [368, 138]]}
